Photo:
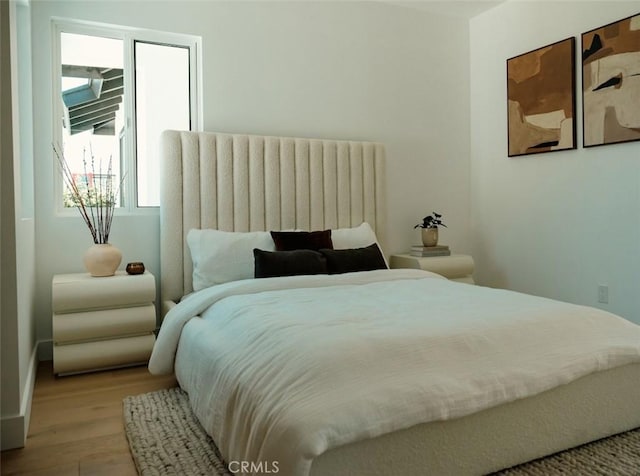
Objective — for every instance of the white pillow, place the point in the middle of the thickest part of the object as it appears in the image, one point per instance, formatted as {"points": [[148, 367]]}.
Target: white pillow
{"points": [[357, 237], [222, 256]]}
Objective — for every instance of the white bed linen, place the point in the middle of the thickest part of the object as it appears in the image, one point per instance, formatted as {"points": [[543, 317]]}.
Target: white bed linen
{"points": [[284, 369]]}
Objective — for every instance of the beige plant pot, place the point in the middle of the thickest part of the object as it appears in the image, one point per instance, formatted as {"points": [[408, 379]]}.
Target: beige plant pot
{"points": [[102, 259], [429, 236]]}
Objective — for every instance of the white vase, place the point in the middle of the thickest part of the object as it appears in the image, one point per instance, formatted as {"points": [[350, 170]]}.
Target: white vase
{"points": [[429, 236], [102, 259]]}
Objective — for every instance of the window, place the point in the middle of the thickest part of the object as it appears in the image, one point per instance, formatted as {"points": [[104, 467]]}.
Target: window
{"points": [[162, 71], [92, 95], [117, 90]]}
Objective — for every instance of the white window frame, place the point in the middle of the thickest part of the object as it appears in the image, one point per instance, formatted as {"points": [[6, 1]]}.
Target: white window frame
{"points": [[128, 35]]}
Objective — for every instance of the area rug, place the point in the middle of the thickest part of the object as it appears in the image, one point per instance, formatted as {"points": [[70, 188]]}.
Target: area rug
{"points": [[166, 439]]}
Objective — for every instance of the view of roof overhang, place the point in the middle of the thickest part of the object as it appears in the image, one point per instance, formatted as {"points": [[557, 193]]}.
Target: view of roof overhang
{"points": [[94, 104]]}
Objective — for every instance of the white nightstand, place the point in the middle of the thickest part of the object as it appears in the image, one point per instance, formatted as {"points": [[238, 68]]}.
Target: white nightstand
{"points": [[101, 323], [454, 267]]}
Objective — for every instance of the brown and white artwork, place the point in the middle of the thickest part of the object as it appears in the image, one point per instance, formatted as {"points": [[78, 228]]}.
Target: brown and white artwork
{"points": [[541, 98], [611, 83]]}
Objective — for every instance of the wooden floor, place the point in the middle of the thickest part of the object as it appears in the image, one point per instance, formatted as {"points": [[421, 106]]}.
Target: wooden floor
{"points": [[77, 425]]}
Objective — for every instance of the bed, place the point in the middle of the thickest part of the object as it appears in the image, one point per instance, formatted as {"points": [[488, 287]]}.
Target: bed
{"points": [[466, 390]]}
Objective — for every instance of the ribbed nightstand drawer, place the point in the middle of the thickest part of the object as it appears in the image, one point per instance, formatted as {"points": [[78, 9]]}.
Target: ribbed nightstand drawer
{"points": [[102, 355], [454, 267], [91, 325]]}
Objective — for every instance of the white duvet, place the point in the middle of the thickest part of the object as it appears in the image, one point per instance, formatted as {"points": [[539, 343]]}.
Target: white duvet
{"points": [[284, 369]]}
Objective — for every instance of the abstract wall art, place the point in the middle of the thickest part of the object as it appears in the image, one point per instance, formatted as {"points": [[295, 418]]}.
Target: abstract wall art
{"points": [[611, 83], [542, 100]]}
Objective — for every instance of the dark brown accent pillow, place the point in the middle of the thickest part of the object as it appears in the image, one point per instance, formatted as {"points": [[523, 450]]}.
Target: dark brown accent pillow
{"points": [[272, 264], [302, 240], [354, 259]]}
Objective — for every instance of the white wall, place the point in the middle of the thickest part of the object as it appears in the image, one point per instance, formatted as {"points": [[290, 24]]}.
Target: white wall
{"points": [[346, 70], [10, 382], [555, 224], [18, 228]]}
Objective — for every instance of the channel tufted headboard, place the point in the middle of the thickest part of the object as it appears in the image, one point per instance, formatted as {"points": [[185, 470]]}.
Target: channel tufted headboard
{"points": [[236, 182]]}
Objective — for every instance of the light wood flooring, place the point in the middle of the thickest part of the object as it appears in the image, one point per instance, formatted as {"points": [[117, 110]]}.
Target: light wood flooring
{"points": [[77, 425]]}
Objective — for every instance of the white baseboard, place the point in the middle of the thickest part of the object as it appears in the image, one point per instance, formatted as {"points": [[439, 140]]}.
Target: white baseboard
{"points": [[27, 397], [12, 434], [16, 427]]}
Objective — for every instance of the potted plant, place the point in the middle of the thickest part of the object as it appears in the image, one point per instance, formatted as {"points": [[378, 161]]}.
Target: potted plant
{"points": [[429, 226], [96, 201]]}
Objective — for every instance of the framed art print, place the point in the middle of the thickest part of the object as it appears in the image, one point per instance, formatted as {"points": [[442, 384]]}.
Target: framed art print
{"points": [[541, 99], [611, 83]]}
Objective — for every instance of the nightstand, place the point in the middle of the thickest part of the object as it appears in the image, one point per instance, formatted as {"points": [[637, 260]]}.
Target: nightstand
{"points": [[101, 323], [454, 267]]}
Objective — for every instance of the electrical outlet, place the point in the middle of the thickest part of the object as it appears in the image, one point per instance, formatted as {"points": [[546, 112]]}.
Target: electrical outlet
{"points": [[603, 293]]}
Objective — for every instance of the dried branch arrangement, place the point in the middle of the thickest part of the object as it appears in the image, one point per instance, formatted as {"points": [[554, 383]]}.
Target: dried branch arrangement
{"points": [[92, 193]]}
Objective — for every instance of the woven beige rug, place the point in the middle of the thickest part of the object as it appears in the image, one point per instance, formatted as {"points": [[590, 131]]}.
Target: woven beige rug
{"points": [[166, 439]]}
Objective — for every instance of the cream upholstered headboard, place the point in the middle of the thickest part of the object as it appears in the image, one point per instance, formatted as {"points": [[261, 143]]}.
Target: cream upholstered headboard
{"points": [[235, 182]]}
